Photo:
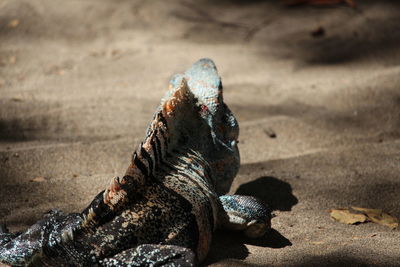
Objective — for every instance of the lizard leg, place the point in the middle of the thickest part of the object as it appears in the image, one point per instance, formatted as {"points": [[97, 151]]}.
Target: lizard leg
{"points": [[152, 255], [245, 213]]}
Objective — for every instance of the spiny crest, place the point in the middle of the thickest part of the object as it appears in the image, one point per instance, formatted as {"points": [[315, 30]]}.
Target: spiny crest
{"points": [[178, 97], [150, 153]]}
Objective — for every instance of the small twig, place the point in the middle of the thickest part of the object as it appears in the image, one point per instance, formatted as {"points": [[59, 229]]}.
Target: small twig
{"points": [[255, 29], [350, 3], [204, 17]]}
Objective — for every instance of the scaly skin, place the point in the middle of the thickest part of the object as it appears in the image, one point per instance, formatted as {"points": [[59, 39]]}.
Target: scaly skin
{"points": [[167, 206]]}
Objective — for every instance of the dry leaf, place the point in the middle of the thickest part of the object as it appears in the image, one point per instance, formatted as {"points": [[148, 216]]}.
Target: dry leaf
{"points": [[38, 179], [17, 99], [13, 23], [347, 217], [317, 242], [380, 217]]}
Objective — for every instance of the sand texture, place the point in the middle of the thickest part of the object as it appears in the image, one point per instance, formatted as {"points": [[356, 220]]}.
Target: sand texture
{"points": [[319, 113]]}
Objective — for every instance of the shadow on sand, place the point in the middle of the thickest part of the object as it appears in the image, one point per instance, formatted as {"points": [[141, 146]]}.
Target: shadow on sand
{"points": [[278, 195], [228, 245], [343, 258]]}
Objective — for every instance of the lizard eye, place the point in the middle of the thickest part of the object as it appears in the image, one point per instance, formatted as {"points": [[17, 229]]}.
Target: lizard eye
{"points": [[204, 108]]}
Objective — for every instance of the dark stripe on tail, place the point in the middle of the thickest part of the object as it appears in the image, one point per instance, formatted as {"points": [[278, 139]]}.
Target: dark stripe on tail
{"points": [[155, 153], [158, 148], [140, 164], [146, 156]]}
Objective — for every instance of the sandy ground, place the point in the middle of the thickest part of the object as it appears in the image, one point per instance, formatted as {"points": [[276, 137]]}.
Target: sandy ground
{"points": [[79, 81]]}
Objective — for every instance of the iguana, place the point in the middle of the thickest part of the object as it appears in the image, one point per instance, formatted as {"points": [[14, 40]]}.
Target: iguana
{"points": [[164, 210]]}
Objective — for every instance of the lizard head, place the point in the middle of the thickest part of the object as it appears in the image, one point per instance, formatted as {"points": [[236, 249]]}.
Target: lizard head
{"points": [[196, 106]]}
